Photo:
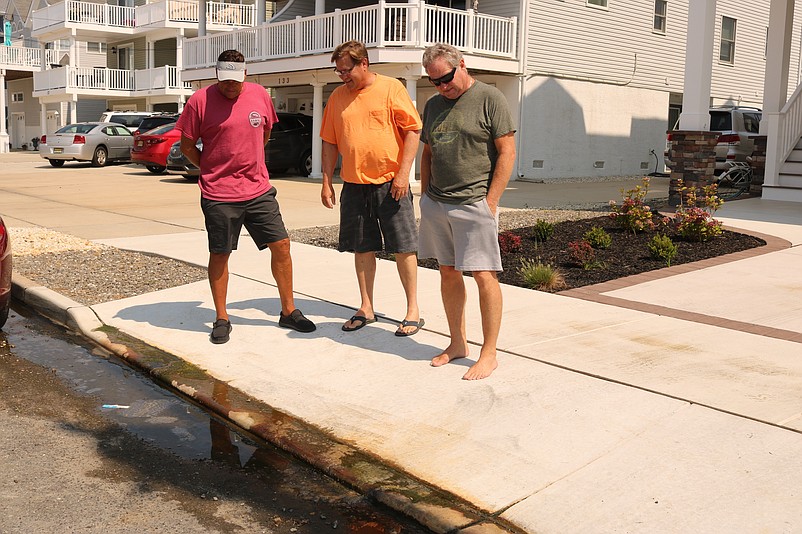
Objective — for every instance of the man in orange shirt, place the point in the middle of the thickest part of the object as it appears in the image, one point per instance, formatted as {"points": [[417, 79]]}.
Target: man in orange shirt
{"points": [[371, 121]]}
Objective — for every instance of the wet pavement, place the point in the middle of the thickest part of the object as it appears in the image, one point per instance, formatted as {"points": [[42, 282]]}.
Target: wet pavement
{"points": [[165, 444]]}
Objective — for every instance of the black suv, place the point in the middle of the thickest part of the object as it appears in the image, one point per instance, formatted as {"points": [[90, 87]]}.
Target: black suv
{"points": [[289, 147], [154, 121], [290, 144]]}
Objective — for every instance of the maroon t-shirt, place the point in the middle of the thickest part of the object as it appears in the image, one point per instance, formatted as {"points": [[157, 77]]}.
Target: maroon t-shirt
{"points": [[233, 132]]}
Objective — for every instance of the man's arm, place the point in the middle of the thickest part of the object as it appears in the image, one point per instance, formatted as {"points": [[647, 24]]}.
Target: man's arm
{"points": [[329, 157], [400, 186], [190, 150], [503, 170], [425, 168]]}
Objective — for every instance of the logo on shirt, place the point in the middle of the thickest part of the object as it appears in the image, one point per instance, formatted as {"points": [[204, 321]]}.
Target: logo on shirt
{"points": [[255, 119]]}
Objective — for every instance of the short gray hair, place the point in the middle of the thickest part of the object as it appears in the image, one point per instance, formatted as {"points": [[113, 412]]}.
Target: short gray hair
{"points": [[450, 54]]}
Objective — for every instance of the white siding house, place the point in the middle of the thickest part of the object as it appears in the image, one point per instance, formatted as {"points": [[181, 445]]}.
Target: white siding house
{"points": [[594, 88]]}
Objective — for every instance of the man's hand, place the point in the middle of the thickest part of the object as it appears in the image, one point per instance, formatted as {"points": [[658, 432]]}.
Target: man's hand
{"points": [[327, 196], [400, 188], [493, 205]]}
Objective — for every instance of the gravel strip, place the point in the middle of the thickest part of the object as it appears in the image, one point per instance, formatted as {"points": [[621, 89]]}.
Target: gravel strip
{"points": [[91, 273]]}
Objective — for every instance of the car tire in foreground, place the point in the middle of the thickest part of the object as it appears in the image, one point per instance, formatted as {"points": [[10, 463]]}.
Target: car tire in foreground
{"points": [[56, 162], [156, 169], [101, 157]]}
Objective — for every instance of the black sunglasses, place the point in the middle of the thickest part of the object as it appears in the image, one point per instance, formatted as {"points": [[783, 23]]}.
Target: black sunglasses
{"points": [[444, 79]]}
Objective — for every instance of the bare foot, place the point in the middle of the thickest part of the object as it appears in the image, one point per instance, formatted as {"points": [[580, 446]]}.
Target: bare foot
{"points": [[451, 353], [482, 368]]}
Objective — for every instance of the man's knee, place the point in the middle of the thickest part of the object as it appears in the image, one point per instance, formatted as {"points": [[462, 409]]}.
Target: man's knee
{"points": [[280, 249]]}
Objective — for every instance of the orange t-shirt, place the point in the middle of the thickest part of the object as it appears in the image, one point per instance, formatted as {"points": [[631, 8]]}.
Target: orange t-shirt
{"points": [[368, 128]]}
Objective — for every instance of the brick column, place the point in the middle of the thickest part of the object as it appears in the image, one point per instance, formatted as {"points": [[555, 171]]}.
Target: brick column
{"points": [[693, 159], [758, 164]]}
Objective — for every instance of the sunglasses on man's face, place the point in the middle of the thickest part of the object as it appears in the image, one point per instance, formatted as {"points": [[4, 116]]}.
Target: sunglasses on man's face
{"points": [[444, 79]]}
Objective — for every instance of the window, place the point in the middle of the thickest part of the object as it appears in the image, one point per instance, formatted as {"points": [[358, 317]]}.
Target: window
{"points": [[17, 97], [599, 3], [727, 53], [660, 15], [97, 48]]}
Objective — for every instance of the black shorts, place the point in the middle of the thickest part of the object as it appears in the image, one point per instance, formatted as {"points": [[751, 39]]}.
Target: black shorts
{"points": [[260, 216], [369, 213]]}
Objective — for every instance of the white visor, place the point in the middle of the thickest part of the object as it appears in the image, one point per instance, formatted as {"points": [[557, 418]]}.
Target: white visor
{"points": [[230, 70]]}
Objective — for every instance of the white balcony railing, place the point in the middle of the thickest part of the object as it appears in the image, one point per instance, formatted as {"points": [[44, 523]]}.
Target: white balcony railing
{"points": [[72, 12], [97, 79], [166, 77], [23, 56], [384, 25]]}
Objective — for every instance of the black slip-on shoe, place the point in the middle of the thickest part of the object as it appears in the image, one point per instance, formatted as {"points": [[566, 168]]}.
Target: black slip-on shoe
{"points": [[296, 321], [220, 331]]}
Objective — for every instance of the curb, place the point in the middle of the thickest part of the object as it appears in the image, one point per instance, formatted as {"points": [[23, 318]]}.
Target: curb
{"points": [[434, 508]]}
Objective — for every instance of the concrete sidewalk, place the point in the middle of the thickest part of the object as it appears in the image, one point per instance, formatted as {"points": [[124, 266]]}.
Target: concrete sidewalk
{"points": [[625, 417]]}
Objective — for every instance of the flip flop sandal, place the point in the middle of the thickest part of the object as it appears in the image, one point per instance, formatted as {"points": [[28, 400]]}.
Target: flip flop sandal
{"points": [[361, 321], [417, 324]]}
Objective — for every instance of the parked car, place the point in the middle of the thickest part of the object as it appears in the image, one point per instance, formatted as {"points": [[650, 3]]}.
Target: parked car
{"points": [[129, 119], [735, 124], [177, 162], [289, 146], [154, 121], [98, 142], [152, 147], [5, 273]]}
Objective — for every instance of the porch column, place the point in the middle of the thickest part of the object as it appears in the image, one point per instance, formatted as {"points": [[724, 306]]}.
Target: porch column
{"points": [[202, 18], [692, 150], [261, 12], [42, 119], [74, 109], [320, 7], [3, 132], [317, 120], [73, 51], [698, 67], [412, 89], [775, 83]]}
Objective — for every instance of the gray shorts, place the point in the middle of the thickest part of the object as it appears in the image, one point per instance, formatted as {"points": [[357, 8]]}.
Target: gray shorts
{"points": [[461, 236], [369, 213], [260, 216]]}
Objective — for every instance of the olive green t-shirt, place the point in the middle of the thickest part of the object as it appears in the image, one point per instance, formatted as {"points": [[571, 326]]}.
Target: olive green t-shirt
{"points": [[461, 134]]}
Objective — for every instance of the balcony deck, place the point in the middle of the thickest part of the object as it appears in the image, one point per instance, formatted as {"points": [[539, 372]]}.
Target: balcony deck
{"points": [[403, 27], [99, 19], [23, 58], [105, 82]]}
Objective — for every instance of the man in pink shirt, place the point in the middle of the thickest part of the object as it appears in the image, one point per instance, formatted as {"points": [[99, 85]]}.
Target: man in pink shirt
{"points": [[233, 118]]}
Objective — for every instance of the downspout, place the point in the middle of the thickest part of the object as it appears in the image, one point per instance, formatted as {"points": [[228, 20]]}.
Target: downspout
{"points": [[524, 19]]}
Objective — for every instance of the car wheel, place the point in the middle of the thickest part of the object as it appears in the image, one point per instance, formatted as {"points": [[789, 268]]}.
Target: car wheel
{"points": [[101, 157], [191, 177], [305, 164], [156, 169], [3, 316], [56, 162]]}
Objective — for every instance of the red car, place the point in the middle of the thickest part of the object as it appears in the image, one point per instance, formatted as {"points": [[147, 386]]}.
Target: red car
{"points": [[151, 148], [5, 273]]}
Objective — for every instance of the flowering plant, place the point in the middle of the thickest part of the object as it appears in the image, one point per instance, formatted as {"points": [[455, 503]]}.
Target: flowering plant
{"points": [[694, 216], [633, 215]]}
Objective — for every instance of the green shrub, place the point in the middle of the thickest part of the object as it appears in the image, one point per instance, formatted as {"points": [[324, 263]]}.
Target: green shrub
{"points": [[662, 248], [598, 238], [543, 230], [541, 276]]}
